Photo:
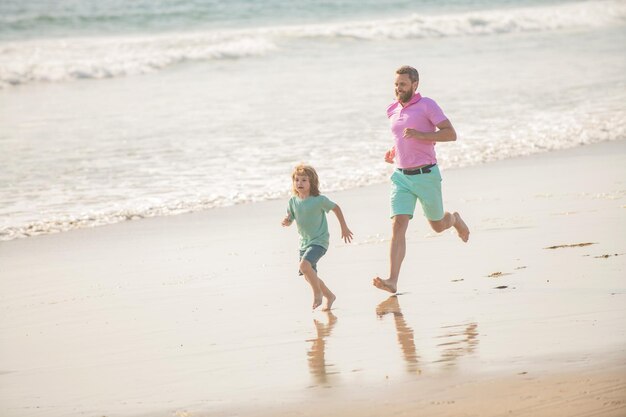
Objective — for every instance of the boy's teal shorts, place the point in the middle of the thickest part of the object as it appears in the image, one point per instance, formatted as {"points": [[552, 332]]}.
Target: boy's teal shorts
{"points": [[312, 254], [407, 189]]}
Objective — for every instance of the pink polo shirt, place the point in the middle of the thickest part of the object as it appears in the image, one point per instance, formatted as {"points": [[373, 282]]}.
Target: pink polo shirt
{"points": [[420, 113]]}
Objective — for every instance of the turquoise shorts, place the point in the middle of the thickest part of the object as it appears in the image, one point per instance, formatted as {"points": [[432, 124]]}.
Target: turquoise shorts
{"points": [[407, 189]]}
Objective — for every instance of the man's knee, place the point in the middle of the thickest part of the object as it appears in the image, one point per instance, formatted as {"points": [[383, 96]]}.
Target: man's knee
{"points": [[400, 223], [439, 225]]}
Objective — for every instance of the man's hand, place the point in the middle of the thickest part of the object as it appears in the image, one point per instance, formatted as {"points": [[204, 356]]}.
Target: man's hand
{"points": [[390, 155], [413, 134]]}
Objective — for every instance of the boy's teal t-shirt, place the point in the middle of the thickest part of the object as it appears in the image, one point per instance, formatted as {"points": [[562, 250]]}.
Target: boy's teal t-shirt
{"points": [[310, 216]]}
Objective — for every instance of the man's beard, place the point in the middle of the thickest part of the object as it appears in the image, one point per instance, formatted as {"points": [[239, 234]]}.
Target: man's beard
{"points": [[404, 97]]}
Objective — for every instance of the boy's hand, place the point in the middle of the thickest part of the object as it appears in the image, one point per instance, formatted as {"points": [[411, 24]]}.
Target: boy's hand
{"points": [[286, 221], [346, 234]]}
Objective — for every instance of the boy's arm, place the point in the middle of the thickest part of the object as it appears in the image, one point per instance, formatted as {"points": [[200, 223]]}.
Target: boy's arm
{"points": [[289, 218], [346, 234]]}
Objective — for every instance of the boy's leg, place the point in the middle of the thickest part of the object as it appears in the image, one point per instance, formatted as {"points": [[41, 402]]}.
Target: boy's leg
{"points": [[308, 262], [311, 277], [328, 294]]}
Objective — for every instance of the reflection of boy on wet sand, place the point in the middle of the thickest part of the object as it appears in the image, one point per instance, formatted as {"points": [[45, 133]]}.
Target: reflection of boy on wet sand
{"points": [[317, 354], [405, 333]]}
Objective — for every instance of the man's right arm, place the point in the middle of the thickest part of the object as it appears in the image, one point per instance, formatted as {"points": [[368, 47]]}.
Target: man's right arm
{"points": [[390, 155]]}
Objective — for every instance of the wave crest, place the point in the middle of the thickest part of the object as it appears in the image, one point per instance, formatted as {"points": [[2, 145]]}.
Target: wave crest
{"points": [[23, 62], [71, 59], [490, 22]]}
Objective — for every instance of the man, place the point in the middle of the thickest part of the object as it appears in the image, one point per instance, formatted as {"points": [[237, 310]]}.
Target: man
{"points": [[417, 123]]}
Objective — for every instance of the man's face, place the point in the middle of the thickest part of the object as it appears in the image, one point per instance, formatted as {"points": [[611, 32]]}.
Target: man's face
{"points": [[404, 88]]}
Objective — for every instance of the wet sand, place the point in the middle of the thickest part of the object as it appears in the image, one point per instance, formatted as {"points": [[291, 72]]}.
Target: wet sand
{"points": [[204, 314]]}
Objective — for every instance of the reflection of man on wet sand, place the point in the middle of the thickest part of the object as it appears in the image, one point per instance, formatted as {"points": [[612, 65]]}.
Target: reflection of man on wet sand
{"points": [[404, 332], [317, 359], [459, 340]]}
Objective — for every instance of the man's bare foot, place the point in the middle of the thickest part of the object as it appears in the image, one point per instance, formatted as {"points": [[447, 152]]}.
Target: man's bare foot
{"points": [[317, 300], [329, 302], [385, 284], [461, 228]]}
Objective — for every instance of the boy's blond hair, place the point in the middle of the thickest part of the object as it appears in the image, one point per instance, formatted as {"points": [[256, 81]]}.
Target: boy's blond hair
{"points": [[309, 171]]}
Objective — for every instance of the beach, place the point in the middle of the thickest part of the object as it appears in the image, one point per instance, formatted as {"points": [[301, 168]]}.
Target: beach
{"points": [[203, 314], [146, 150]]}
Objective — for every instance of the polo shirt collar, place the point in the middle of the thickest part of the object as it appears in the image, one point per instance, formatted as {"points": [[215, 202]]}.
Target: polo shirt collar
{"points": [[416, 97]]}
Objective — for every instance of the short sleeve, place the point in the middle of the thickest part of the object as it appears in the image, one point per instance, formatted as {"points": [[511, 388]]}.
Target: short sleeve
{"points": [[290, 210], [435, 114], [327, 205]]}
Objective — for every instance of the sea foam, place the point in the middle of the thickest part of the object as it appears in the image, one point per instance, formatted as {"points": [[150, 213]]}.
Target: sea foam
{"points": [[67, 59]]}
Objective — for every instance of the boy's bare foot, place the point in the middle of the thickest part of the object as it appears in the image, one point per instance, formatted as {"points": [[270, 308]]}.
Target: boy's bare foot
{"points": [[385, 284], [317, 300], [329, 302], [461, 227]]}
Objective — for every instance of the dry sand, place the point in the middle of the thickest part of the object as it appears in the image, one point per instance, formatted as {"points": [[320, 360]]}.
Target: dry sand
{"points": [[204, 314]]}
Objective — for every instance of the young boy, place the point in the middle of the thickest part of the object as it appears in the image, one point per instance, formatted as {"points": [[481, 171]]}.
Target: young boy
{"points": [[308, 208]]}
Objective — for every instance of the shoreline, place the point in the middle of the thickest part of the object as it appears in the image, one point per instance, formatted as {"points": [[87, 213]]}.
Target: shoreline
{"points": [[48, 227], [202, 314]]}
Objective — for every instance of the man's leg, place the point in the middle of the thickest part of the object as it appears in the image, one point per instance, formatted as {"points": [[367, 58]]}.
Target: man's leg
{"points": [[428, 188], [451, 220], [397, 252], [397, 248]]}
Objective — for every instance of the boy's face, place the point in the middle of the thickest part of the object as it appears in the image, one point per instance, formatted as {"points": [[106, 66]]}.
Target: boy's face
{"points": [[303, 185]]}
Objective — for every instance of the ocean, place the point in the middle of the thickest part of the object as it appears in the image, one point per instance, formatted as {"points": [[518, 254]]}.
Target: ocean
{"points": [[113, 110]]}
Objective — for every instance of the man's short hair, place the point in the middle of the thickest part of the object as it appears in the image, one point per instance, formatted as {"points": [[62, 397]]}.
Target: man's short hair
{"points": [[412, 72]]}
